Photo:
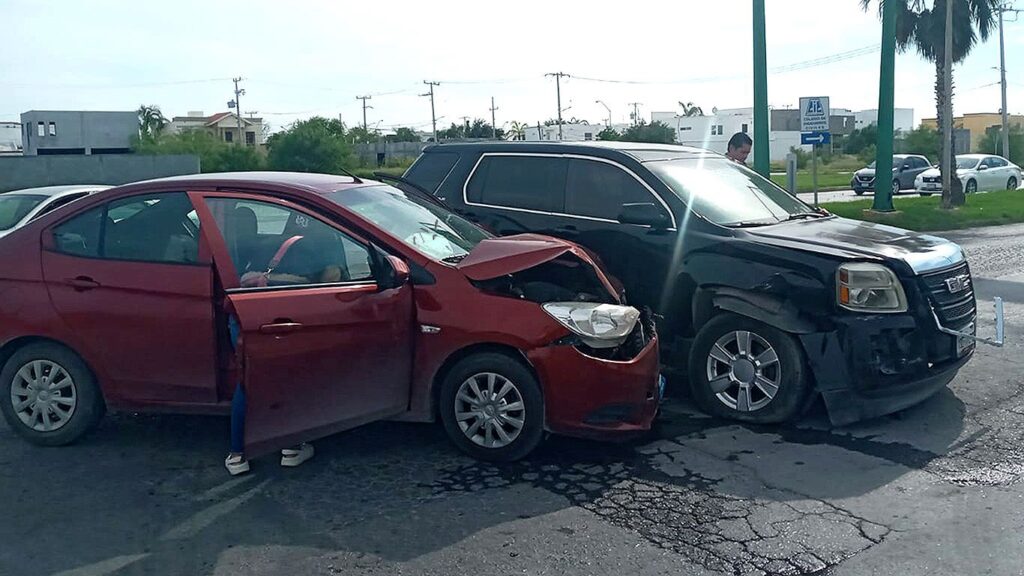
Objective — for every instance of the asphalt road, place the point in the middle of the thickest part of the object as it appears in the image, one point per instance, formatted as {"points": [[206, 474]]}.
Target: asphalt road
{"points": [[935, 490]]}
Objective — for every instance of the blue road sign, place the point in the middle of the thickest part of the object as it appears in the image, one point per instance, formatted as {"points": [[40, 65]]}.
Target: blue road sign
{"points": [[815, 137]]}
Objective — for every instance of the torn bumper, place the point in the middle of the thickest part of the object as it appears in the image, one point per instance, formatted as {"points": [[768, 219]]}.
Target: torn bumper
{"points": [[591, 397]]}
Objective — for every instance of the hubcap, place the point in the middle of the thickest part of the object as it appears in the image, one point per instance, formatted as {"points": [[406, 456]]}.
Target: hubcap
{"points": [[971, 187], [743, 371], [43, 395], [489, 410], [895, 187]]}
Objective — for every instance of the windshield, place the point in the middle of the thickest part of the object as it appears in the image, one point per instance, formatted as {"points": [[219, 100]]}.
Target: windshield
{"points": [[14, 207], [896, 162], [966, 163], [424, 226], [726, 193]]}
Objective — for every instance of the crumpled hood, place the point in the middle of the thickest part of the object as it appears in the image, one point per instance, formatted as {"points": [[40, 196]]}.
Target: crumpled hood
{"points": [[846, 238], [496, 257]]}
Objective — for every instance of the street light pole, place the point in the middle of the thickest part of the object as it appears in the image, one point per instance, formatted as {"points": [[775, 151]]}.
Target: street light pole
{"points": [[762, 144], [886, 101], [609, 110]]}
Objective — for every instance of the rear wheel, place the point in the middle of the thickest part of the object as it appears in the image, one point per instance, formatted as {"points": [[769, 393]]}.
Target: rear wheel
{"points": [[925, 194], [1011, 184], [48, 396], [972, 187], [895, 187], [746, 370], [492, 407]]}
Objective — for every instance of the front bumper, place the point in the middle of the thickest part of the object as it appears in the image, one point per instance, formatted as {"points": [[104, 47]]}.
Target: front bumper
{"points": [[595, 398]]}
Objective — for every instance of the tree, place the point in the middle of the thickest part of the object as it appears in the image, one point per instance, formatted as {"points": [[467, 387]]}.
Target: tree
{"points": [[151, 121], [924, 29], [655, 132], [860, 139], [922, 140], [517, 131], [690, 110], [403, 135], [360, 135], [214, 154], [478, 129], [314, 145], [992, 143], [609, 134]]}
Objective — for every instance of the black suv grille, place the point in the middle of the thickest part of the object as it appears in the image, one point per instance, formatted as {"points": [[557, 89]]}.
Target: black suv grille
{"points": [[955, 309]]}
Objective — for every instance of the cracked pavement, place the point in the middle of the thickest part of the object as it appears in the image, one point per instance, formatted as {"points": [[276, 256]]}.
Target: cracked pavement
{"points": [[934, 490]]}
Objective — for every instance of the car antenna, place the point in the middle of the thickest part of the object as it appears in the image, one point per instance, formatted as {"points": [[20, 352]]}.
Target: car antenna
{"points": [[355, 179]]}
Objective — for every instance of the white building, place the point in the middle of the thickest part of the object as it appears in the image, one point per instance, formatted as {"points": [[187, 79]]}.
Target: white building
{"points": [[903, 119], [223, 125], [570, 132], [712, 132]]}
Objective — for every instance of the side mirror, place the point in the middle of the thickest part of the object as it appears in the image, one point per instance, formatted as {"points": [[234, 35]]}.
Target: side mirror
{"points": [[982, 167], [644, 214], [399, 272], [389, 271], [905, 168]]}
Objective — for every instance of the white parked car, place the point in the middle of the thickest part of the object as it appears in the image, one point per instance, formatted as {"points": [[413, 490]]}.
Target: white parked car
{"points": [[977, 172], [20, 207]]}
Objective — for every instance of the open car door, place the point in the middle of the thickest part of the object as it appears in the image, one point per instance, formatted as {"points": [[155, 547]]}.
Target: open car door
{"points": [[325, 345]]}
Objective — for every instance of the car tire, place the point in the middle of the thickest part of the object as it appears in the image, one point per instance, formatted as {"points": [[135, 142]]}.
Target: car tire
{"points": [[474, 425], [895, 187], [69, 406], [924, 194], [716, 383], [972, 187], [858, 192], [1011, 184]]}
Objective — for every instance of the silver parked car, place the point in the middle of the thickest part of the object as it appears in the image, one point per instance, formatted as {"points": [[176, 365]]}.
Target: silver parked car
{"points": [[20, 207], [977, 172], [905, 169]]}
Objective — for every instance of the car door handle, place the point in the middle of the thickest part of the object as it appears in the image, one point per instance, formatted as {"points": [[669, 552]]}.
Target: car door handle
{"points": [[282, 327], [82, 283]]}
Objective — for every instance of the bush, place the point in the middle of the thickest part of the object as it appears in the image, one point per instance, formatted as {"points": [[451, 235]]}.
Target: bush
{"points": [[803, 157], [868, 154], [214, 154], [314, 145]]}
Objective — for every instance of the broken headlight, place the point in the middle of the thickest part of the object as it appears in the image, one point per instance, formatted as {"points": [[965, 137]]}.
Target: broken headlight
{"points": [[867, 287], [597, 325]]}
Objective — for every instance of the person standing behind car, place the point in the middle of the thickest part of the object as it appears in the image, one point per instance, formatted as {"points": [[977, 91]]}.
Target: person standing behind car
{"points": [[739, 148]]}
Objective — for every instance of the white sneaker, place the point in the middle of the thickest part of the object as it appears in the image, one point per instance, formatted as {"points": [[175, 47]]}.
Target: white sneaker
{"points": [[291, 457], [236, 464]]}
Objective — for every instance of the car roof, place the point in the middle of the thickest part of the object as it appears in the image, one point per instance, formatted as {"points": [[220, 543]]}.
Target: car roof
{"points": [[52, 191], [641, 151], [309, 181]]}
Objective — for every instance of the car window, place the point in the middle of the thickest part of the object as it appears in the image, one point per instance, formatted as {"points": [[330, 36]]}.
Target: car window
{"points": [[526, 182], [599, 189], [424, 226], [966, 163], [431, 169], [14, 207], [996, 162], [151, 228], [62, 201], [919, 162], [726, 193], [271, 245], [80, 236]]}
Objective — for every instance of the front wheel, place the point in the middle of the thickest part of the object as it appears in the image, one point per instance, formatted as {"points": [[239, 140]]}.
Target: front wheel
{"points": [[492, 407], [972, 187], [1011, 184], [924, 194], [49, 396], [895, 187], [858, 192], [746, 370]]}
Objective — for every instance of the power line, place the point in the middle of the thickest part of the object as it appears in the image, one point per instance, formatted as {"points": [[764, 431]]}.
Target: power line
{"points": [[107, 86]]}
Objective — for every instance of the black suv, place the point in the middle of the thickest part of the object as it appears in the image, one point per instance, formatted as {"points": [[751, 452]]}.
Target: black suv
{"points": [[761, 298]]}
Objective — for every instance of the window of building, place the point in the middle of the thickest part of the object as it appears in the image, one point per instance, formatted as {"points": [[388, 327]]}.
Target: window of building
{"points": [[250, 138], [588, 135], [717, 130], [229, 136], [308, 250], [744, 128], [527, 182], [685, 128], [53, 128], [599, 189], [42, 129]]}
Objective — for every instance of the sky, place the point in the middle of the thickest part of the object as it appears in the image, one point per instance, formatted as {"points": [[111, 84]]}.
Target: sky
{"points": [[301, 58]]}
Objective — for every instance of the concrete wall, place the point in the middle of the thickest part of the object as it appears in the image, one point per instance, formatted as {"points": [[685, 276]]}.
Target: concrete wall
{"points": [[85, 130], [17, 172], [368, 153]]}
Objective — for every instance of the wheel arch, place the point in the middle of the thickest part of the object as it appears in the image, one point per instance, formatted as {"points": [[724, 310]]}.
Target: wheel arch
{"points": [[709, 302], [11, 347]]}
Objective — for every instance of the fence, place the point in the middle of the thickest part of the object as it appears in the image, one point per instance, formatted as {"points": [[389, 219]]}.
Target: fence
{"points": [[17, 172]]}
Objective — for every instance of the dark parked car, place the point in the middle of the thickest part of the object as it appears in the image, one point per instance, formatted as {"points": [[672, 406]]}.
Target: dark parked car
{"points": [[763, 300], [905, 169], [357, 302]]}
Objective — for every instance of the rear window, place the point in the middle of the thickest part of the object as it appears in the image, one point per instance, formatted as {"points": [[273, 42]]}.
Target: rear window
{"points": [[525, 182], [431, 169]]}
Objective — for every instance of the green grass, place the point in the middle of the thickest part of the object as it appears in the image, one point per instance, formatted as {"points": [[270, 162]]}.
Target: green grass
{"points": [[829, 180], [925, 215]]}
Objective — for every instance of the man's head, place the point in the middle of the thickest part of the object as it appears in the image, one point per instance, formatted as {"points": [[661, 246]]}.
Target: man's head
{"points": [[739, 147]]}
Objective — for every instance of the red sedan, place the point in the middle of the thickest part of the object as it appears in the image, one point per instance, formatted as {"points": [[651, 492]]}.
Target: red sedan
{"points": [[357, 302]]}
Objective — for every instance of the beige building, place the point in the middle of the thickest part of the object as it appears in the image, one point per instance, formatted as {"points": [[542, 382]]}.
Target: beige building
{"points": [[977, 123], [223, 125]]}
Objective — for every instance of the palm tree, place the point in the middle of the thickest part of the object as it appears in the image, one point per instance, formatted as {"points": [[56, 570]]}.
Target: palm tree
{"points": [[151, 121], [516, 131], [689, 109], [923, 28]]}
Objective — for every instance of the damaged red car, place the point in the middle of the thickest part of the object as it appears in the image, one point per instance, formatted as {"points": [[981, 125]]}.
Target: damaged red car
{"points": [[357, 302]]}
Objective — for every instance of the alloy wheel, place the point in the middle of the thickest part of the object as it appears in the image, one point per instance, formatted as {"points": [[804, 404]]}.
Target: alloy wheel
{"points": [[489, 410], [43, 395], [895, 187], [743, 371]]}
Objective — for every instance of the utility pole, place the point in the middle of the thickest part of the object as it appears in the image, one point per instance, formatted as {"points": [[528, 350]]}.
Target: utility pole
{"points": [[886, 99], [494, 125], [636, 112], [558, 91], [364, 99], [433, 117], [1002, 74], [465, 121], [762, 144], [238, 108]]}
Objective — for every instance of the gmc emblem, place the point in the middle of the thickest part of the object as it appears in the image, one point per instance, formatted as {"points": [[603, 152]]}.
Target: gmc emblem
{"points": [[958, 283]]}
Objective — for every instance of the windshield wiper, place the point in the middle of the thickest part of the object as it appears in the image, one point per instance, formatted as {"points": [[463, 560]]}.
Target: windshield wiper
{"points": [[802, 215], [750, 224], [454, 259]]}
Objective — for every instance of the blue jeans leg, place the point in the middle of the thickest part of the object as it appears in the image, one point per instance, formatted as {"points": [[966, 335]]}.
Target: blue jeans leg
{"points": [[238, 420]]}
